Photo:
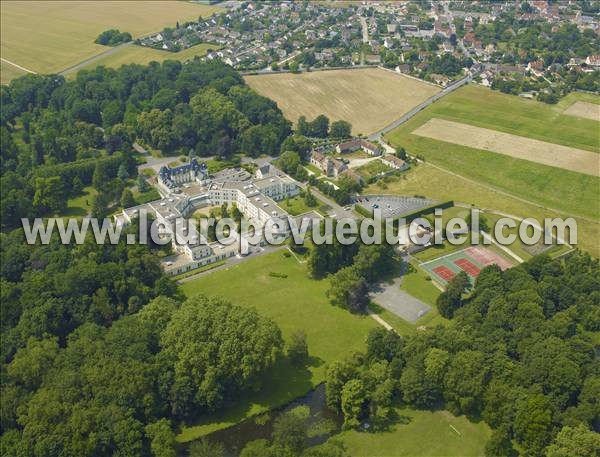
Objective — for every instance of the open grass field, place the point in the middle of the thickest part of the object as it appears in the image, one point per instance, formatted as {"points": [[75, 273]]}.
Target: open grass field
{"points": [[295, 303], [438, 184], [367, 98], [420, 433], [584, 109], [554, 155], [494, 178], [48, 36], [143, 56]]}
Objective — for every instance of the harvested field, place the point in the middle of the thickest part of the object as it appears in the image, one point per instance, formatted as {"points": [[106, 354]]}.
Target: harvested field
{"points": [[511, 145], [584, 109], [48, 36], [367, 98]]}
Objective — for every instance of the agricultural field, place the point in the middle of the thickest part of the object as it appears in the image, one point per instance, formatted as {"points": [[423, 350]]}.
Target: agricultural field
{"points": [[584, 109], [367, 98], [439, 184], [554, 155], [48, 37], [295, 302], [9, 72], [500, 182], [143, 56]]}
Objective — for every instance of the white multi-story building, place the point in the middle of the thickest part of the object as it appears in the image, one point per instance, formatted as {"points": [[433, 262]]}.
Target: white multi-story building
{"points": [[189, 187]]}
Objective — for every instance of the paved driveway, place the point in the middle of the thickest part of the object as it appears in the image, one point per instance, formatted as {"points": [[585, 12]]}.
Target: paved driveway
{"points": [[390, 297]]}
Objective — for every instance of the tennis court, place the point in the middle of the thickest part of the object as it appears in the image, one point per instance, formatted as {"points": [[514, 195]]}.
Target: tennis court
{"points": [[470, 260]]}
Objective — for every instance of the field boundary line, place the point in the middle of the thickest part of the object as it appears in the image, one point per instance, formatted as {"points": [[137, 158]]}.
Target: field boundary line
{"points": [[508, 194], [17, 66]]}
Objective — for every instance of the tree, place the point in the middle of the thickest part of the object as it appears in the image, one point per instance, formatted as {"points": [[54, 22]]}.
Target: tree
{"points": [[384, 344], [100, 176], [206, 448], [579, 441], [533, 423], [340, 129], [290, 431], [298, 349], [142, 184], [349, 290], [217, 348], [127, 200], [499, 444], [122, 173], [353, 401], [451, 299], [258, 448], [49, 194], [320, 126], [309, 198], [162, 438]]}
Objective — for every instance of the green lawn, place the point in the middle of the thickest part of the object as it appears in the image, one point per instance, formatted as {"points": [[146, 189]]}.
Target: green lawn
{"points": [[296, 302], [438, 184], [567, 191], [415, 283], [314, 169], [143, 55], [144, 197], [420, 433], [81, 205], [297, 205], [372, 168]]}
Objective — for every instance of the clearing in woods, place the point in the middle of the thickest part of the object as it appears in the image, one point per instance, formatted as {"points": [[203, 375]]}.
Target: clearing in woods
{"points": [[49, 36], [584, 109], [367, 98], [554, 155]]}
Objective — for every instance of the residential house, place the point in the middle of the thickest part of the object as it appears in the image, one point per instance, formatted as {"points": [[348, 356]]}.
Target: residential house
{"points": [[355, 145], [394, 162]]}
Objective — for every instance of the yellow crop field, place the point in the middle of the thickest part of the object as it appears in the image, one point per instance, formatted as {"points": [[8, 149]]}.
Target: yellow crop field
{"points": [[555, 155], [49, 36], [368, 98], [584, 109]]}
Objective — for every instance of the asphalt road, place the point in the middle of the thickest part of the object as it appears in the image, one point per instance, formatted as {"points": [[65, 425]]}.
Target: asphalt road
{"points": [[461, 82], [86, 62]]}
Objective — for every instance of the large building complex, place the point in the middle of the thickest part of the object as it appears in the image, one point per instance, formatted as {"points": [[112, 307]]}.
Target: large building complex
{"points": [[189, 187]]}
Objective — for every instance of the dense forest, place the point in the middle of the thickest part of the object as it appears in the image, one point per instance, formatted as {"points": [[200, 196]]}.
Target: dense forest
{"points": [[55, 133], [519, 354], [101, 357]]}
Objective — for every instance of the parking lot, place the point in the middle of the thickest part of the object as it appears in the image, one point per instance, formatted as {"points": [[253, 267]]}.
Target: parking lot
{"points": [[392, 205]]}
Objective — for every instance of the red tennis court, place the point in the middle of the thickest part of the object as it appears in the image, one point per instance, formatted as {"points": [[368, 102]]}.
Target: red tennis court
{"points": [[487, 257], [444, 272], [468, 267]]}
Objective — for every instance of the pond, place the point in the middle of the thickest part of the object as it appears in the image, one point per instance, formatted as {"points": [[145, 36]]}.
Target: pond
{"points": [[322, 424]]}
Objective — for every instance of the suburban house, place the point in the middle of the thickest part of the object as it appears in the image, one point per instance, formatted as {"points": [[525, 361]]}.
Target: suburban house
{"points": [[394, 162], [355, 145], [328, 165]]}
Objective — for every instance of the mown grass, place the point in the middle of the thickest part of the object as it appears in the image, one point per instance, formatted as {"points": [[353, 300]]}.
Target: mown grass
{"points": [[426, 179], [551, 187], [81, 205], [294, 303], [143, 55], [420, 433]]}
